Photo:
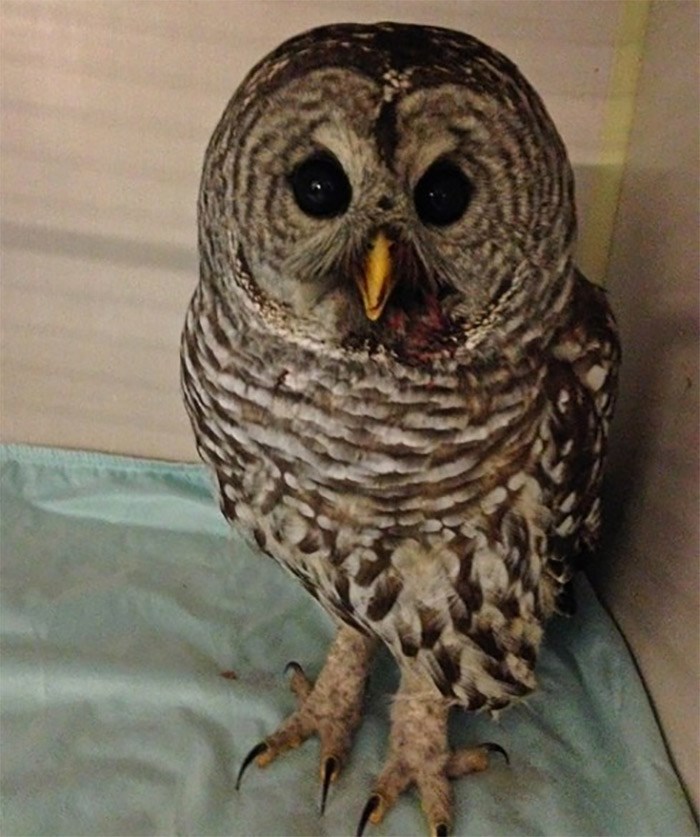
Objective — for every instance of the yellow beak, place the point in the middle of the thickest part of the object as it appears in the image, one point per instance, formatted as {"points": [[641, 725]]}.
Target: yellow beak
{"points": [[377, 280]]}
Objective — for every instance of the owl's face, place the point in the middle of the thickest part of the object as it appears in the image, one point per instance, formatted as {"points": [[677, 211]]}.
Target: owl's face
{"points": [[387, 180]]}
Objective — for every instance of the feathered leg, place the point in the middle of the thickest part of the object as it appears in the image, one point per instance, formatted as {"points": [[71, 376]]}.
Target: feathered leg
{"points": [[419, 755], [331, 707]]}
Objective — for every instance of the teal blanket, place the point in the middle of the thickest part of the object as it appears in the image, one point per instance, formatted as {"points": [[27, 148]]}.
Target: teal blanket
{"points": [[125, 597]]}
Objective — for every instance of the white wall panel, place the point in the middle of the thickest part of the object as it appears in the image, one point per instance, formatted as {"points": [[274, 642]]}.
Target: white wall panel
{"points": [[650, 574]]}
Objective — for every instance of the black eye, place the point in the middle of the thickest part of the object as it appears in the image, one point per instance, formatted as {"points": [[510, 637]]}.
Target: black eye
{"points": [[321, 187], [442, 194]]}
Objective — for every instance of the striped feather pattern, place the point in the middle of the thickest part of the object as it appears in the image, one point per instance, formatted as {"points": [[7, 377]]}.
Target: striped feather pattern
{"points": [[433, 492]]}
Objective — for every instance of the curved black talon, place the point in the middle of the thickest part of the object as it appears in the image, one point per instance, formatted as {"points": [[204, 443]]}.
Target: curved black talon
{"points": [[441, 830], [367, 811], [329, 769], [253, 754], [293, 665], [496, 748]]}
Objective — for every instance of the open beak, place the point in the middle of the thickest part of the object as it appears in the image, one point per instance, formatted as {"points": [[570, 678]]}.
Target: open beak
{"points": [[377, 280]]}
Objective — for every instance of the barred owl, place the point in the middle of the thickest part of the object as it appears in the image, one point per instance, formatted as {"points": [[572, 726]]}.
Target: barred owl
{"points": [[398, 376]]}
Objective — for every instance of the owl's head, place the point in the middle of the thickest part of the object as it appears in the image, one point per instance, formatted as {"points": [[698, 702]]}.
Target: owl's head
{"points": [[388, 183]]}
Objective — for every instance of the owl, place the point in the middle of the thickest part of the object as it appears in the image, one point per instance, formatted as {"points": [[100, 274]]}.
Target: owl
{"points": [[399, 378]]}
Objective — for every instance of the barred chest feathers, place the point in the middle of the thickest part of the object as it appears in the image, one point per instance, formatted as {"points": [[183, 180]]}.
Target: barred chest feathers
{"points": [[424, 505]]}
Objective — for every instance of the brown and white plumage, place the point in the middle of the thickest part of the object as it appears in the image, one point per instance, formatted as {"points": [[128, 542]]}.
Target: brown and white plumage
{"points": [[431, 472]]}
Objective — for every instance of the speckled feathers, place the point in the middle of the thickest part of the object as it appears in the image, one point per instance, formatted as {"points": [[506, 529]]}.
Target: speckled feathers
{"points": [[431, 477]]}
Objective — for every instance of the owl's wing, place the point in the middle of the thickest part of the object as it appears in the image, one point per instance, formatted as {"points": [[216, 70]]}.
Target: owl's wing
{"points": [[580, 385]]}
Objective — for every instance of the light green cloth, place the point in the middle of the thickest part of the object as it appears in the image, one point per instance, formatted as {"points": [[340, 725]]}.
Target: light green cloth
{"points": [[124, 598]]}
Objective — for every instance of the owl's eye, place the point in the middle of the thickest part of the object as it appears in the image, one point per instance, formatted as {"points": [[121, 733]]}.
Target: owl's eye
{"points": [[442, 194], [321, 187]]}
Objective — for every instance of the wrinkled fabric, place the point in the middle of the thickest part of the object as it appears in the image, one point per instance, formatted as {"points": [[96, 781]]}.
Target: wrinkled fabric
{"points": [[125, 597]]}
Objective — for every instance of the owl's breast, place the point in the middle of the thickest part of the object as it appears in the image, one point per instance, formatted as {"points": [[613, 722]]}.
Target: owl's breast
{"points": [[353, 436], [400, 498]]}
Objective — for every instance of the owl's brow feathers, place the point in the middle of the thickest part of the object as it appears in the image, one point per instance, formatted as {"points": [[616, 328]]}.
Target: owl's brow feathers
{"points": [[398, 59]]}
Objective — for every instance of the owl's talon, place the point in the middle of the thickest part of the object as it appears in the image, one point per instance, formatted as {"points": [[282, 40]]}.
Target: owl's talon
{"points": [[472, 759], [371, 811], [299, 683], [332, 715], [260, 748], [329, 772], [496, 748]]}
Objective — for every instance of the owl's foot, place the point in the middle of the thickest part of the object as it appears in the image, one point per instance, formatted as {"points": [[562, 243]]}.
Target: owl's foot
{"points": [[418, 755], [330, 708]]}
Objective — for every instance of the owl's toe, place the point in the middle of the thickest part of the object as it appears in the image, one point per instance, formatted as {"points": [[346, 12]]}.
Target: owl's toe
{"points": [[432, 779], [299, 683], [472, 759], [398, 775], [330, 708], [419, 756]]}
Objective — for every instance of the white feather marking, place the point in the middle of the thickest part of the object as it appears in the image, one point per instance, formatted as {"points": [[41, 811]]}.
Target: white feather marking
{"points": [[568, 503], [517, 481], [489, 572], [568, 351], [494, 499], [595, 377], [303, 508], [566, 527], [291, 480]]}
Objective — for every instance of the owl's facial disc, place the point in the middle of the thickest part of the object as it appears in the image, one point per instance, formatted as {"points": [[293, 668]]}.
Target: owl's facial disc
{"points": [[370, 203]]}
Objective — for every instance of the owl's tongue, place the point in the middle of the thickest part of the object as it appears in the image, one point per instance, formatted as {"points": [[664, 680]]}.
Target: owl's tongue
{"points": [[427, 314], [418, 331]]}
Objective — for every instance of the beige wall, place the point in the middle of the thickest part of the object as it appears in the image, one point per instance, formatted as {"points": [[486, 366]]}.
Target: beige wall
{"points": [[651, 577], [106, 109]]}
